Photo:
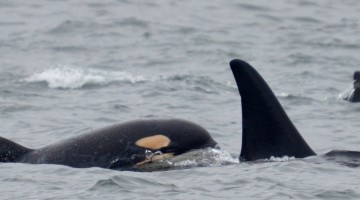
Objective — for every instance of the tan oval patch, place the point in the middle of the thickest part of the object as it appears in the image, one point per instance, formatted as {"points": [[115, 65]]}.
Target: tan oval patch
{"points": [[153, 142]]}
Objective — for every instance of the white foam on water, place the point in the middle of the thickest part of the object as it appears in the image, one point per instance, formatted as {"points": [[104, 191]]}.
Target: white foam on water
{"points": [[280, 159], [205, 157], [346, 93], [282, 94], [68, 77]]}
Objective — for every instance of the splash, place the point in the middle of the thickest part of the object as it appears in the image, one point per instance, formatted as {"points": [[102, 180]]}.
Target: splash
{"points": [[280, 159], [346, 93], [67, 77], [208, 157]]}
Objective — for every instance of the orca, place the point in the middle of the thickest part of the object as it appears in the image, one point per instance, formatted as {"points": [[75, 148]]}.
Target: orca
{"points": [[355, 94], [124, 146], [266, 129], [267, 132]]}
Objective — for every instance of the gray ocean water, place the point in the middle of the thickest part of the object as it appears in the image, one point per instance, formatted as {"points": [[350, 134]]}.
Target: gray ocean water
{"points": [[67, 67]]}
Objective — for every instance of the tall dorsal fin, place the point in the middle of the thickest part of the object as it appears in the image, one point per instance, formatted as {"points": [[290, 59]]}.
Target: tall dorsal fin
{"points": [[267, 130], [11, 151]]}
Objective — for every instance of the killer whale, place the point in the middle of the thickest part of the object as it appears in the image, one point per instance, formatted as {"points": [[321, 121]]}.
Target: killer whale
{"points": [[123, 146], [355, 94], [266, 129]]}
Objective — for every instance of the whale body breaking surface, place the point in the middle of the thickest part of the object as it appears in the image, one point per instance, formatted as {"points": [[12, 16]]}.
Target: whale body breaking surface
{"points": [[267, 132]]}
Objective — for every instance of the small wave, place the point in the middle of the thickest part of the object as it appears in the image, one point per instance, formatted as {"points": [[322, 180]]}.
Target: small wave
{"points": [[70, 26], [105, 183], [306, 20], [67, 77], [252, 7], [65, 27], [132, 21], [297, 99], [202, 84]]}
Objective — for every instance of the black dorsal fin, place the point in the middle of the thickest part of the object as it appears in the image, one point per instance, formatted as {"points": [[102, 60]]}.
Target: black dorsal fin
{"points": [[11, 151], [267, 130]]}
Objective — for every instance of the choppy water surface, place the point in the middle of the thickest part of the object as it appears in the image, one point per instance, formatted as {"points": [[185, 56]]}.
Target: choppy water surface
{"points": [[70, 66]]}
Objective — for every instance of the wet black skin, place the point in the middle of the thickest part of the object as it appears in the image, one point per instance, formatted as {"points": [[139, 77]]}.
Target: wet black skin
{"points": [[267, 130], [113, 146]]}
